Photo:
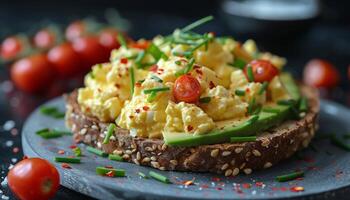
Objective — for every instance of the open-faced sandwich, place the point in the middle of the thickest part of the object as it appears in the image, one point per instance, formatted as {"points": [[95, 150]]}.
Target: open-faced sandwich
{"points": [[194, 102]]}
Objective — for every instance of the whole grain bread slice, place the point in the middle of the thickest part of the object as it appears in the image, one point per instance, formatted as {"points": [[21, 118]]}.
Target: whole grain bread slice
{"points": [[229, 159]]}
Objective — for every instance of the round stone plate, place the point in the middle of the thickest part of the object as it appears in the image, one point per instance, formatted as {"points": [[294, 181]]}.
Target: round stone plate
{"points": [[326, 167]]}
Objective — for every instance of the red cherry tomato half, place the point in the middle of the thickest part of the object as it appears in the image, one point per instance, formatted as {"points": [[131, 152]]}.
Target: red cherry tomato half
{"points": [[11, 47], [34, 178], [187, 89], [44, 39], [90, 51], [108, 39], [33, 74], [321, 73], [263, 70], [75, 30], [65, 60]]}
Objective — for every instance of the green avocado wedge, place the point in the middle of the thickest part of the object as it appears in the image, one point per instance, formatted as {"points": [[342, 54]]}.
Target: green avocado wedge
{"points": [[256, 123]]}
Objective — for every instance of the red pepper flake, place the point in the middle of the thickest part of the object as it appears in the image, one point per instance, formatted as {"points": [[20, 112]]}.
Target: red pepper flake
{"points": [[189, 128], [109, 166], [216, 179], [117, 86], [137, 110], [246, 185], [297, 189], [145, 108], [275, 188], [25, 157], [153, 68], [66, 166], [131, 117], [15, 150], [247, 90], [119, 75], [72, 146], [211, 85], [124, 60], [259, 184], [218, 188], [199, 71], [283, 189], [299, 179], [138, 84], [60, 152], [110, 174]]}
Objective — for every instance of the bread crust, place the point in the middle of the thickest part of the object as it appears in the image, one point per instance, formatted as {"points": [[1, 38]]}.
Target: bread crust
{"points": [[229, 159]]}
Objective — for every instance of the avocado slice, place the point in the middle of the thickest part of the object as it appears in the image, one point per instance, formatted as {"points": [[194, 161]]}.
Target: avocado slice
{"points": [[265, 120]]}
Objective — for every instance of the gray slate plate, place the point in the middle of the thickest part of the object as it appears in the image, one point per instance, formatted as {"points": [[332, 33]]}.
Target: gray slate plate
{"points": [[327, 168]]}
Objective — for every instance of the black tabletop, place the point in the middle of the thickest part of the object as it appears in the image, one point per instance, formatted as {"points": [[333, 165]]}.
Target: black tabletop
{"points": [[326, 37]]}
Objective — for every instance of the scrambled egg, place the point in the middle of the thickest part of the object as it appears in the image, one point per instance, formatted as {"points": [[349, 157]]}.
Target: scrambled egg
{"points": [[108, 95]]}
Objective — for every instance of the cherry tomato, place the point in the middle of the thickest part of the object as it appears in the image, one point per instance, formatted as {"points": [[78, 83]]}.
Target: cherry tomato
{"points": [[142, 44], [263, 70], [45, 38], [75, 30], [11, 47], [34, 178], [187, 89], [90, 51], [33, 74], [108, 39], [65, 60], [321, 73]]}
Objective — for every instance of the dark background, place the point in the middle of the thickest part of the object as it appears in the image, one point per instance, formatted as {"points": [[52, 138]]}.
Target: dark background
{"points": [[327, 36]]}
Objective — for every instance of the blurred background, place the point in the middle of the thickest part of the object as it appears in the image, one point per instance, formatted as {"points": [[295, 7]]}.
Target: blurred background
{"points": [[300, 30]]}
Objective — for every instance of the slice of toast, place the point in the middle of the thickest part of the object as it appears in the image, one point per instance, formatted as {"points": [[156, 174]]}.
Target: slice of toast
{"points": [[230, 159]]}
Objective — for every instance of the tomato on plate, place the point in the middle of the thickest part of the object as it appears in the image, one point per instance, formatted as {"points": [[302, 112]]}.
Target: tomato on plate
{"points": [[11, 47], [45, 38], [321, 73], [263, 70], [90, 51], [187, 89], [65, 60], [75, 30], [108, 39], [33, 74], [34, 179]]}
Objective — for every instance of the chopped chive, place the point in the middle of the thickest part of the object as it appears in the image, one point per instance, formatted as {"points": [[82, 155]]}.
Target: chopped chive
{"points": [[142, 175], [58, 115], [205, 99], [240, 92], [238, 63], [103, 171], [62, 132], [156, 78], [257, 110], [159, 177], [289, 177], [48, 110], [189, 66], [91, 74], [287, 102], [178, 62], [250, 73], [96, 151], [251, 106], [141, 81], [67, 160], [151, 97], [44, 130], [252, 119], [115, 157], [197, 23], [263, 88], [243, 139], [132, 80], [270, 110], [121, 40], [49, 135], [184, 42], [156, 89], [303, 104], [186, 54], [110, 131], [139, 59], [156, 52], [339, 143], [77, 151]]}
